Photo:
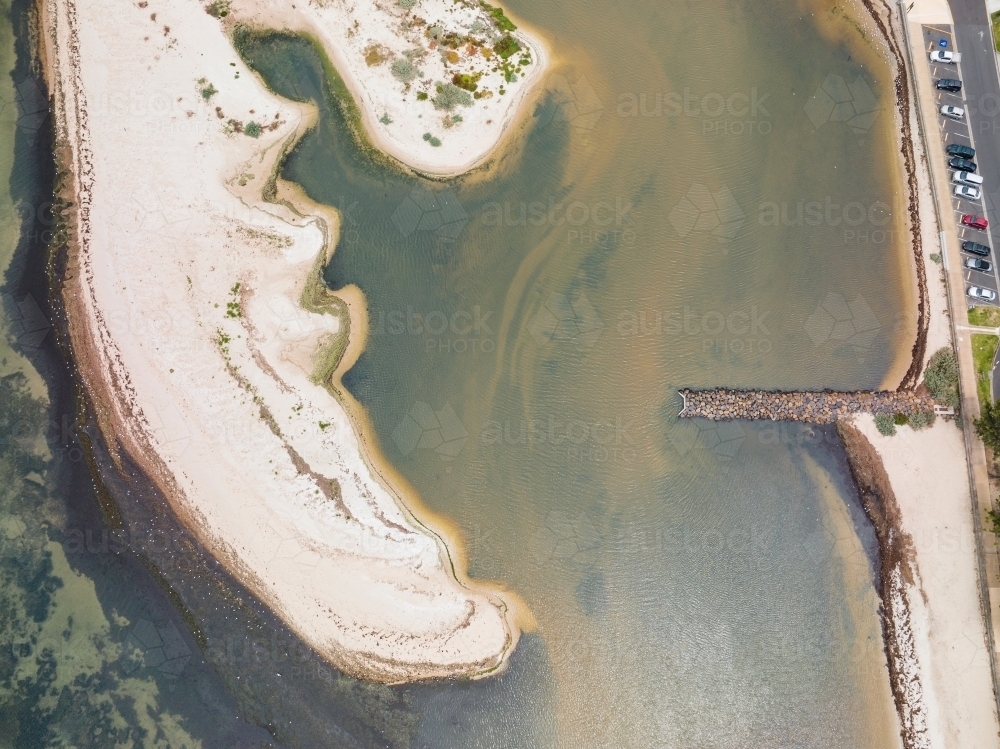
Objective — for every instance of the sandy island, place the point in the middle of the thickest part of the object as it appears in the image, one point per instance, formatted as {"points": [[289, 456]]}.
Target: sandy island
{"points": [[206, 342]]}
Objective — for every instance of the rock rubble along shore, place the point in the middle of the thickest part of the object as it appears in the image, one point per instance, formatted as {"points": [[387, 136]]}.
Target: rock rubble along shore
{"points": [[822, 407]]}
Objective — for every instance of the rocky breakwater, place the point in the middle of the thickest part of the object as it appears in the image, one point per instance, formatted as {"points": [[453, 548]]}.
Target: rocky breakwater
{"points": [[819, 407]]}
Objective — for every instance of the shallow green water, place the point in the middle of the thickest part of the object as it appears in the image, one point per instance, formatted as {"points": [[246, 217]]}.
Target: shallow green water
{"points": [[695, 586]]}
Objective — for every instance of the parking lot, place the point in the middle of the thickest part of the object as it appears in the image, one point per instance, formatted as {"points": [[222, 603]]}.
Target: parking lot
{"points": [[964, 132]]}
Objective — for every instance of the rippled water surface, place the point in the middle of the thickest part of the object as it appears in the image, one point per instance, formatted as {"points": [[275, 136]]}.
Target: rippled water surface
{"points": [[705, 195]]}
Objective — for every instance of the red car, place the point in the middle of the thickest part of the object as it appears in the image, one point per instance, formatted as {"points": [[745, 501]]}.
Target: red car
{"points": [[976, 222]]}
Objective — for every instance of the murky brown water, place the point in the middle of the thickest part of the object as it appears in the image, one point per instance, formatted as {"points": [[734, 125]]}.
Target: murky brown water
{"points": [[706, 196]]}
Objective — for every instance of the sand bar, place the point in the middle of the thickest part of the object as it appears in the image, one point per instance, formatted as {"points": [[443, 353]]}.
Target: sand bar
{"points": [[183, 294]]}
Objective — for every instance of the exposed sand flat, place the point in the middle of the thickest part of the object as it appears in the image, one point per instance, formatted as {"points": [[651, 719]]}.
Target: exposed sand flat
{"points": [[396, 56], [927, 470], [183, 294]]}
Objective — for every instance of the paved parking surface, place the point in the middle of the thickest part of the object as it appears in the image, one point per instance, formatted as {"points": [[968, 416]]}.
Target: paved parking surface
{"points": [[976, 130]]}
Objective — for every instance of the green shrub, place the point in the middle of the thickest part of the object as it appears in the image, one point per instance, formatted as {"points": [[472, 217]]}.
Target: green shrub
{"points": [[506, 47], [403, 70], [988, 426], [406, 4], [385, 119], [467, 81], [899, 419], [252, 129], [218, 8], [207, 92], [499, 17], [448, 95], [885, 425], [935, 257], [941, 377], [432, 140], [921, 419], [421, 96]]}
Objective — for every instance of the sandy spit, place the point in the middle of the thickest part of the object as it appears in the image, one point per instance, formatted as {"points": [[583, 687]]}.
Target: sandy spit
{"points": [[184, 294]]}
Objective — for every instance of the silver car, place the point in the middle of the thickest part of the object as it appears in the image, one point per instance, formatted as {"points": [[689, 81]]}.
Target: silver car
{"points": [[956, 113], [978, 292], [966, 192]]}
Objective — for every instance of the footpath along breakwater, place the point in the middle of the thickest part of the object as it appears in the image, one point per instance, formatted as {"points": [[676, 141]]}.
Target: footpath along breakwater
{"points": [[817, 407]]}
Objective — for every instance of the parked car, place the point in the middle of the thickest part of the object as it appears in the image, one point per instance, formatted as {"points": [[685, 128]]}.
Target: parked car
{"points": [[965, 192], [943, 55], [977, 263], [962, 165], [956, 113], [978, 292], [975, 222], [957, 149], [975, 248], [967, 178], [948, 84]]}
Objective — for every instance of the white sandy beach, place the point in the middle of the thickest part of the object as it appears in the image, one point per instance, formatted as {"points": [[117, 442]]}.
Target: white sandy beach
{"points": [[376, 47], [927, 470], [183, 294]]}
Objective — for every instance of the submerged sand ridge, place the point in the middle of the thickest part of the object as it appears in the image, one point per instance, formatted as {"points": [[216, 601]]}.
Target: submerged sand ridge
{"points": [[184, 293]]}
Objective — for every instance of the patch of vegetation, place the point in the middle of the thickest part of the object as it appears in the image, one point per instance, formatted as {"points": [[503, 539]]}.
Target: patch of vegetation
{"points": [[450, 56], [899, 419], [448, 95], [988, 425], [434, 32], [921, 419], [404, 70], [376, 54], [885, 425], [506, 47], [467, 81], [218, 8], [233, 308], [450, 120], [233, 126], [993, 522], [421, 96], [984, 347], [995, 23], [385, 119], [432, 140], [252, 129], [406, 4], [986, 317], [936, 257], [499, 18], [941, 378], [207, 89]]}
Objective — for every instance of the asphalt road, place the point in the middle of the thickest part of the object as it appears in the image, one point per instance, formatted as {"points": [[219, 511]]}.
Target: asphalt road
{"points": [[975, 130]]}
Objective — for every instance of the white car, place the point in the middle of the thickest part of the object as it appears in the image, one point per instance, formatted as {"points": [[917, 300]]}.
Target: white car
{"points": [[956, 113], [978, 292], [945, 56], [966, 192]]}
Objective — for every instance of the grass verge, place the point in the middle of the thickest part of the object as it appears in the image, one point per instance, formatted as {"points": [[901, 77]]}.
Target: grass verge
{"points": [[983, 349], [987, 317]]}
